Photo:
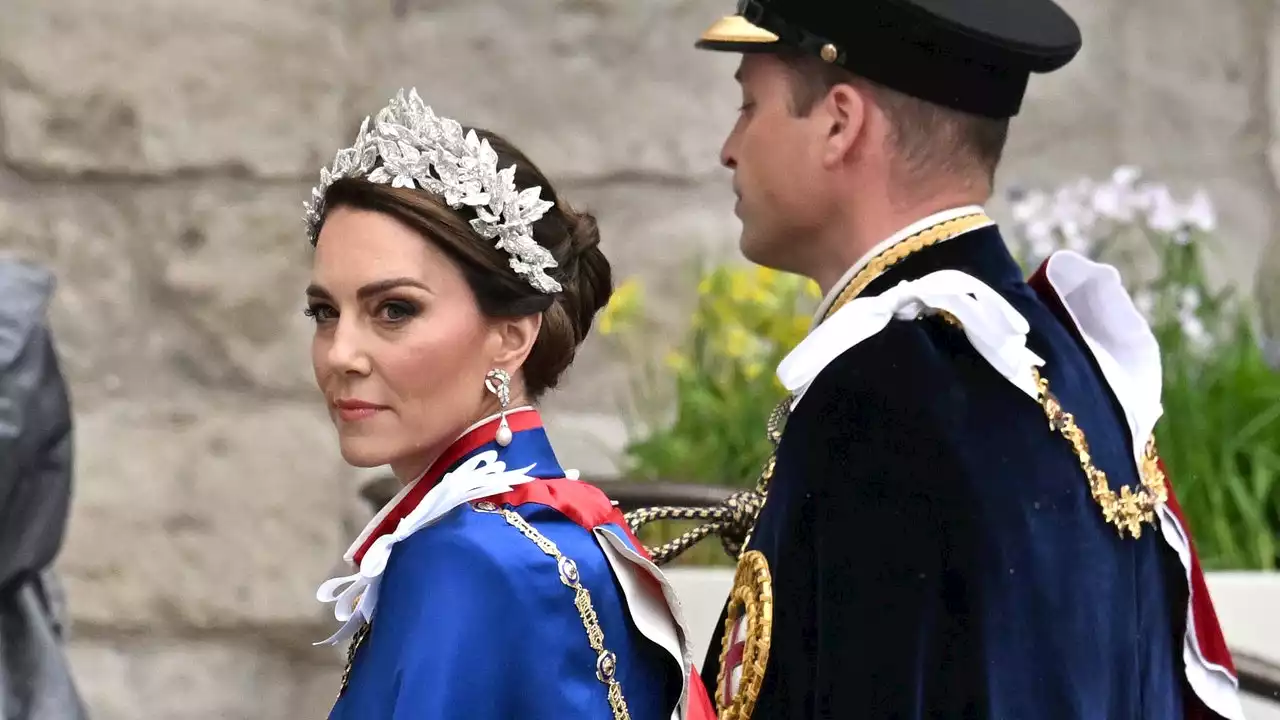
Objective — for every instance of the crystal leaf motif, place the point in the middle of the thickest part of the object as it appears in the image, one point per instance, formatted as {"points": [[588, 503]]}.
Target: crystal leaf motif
{"points": [[407, 145]]}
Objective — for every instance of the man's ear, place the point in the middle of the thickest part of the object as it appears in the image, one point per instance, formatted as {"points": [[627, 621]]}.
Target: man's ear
{"points": [[515, 338], [845, 111]]}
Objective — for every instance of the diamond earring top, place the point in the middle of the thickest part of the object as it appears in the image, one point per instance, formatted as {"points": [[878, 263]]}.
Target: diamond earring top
{"points": [[498, 382]]}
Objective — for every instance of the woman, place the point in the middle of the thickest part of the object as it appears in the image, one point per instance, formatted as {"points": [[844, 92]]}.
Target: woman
{"points": [[451, 288]]}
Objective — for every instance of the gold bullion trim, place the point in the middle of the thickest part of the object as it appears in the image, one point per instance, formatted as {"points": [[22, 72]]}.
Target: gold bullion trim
{"points": [[751, 599]]}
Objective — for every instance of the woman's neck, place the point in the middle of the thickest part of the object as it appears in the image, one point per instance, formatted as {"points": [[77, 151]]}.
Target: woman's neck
{"points": [[412, 472]]}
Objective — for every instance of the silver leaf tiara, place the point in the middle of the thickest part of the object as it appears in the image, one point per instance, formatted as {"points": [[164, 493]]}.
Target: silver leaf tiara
{"points": [[412, 141]]}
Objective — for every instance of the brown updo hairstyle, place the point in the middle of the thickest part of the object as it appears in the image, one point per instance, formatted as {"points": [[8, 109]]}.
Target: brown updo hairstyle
{"points": [[571, 236]]}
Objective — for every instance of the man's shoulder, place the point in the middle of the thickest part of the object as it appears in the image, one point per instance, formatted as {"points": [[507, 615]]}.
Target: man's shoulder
{"points": [[916, 390], [908, 361]]}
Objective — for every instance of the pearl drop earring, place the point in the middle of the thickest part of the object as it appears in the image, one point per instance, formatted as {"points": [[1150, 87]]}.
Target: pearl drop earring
{"points": [[498, 382]]}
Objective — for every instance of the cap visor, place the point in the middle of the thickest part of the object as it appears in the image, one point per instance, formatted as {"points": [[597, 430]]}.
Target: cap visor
{"points": [[734, 34]]}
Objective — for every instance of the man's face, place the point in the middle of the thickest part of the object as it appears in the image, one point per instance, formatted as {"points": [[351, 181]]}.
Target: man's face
{"points": [[777, 172]]}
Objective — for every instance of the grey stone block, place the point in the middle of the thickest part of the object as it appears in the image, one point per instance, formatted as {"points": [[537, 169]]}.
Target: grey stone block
{"points": [[204, 511], [200, 678], [587, 87], [151, 87]]}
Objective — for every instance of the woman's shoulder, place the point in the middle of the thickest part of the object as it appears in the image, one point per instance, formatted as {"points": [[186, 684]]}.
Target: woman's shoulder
{"points": [[523, 559], [518, 535], [519, 560]]}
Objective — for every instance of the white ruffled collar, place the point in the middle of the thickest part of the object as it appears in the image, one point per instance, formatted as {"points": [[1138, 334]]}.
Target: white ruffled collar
{"points": [[356, 596], [482, 475]]}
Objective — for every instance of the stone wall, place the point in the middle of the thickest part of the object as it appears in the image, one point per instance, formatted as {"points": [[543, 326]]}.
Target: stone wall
{"points": [[156, 152]]}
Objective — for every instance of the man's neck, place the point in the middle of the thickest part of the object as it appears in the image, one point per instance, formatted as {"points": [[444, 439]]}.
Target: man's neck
{"points": [[836, 275], [864, 234]]}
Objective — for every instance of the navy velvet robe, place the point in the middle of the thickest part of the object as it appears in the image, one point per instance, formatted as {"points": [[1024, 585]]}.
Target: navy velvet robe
{"points": [[934, 547]]}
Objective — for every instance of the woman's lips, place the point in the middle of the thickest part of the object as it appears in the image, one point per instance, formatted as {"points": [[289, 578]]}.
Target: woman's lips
{"points": [[354, 410]]}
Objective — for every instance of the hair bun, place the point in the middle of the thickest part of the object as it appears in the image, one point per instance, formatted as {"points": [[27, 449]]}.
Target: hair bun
{"points": [[589, 278], [584, 233]]}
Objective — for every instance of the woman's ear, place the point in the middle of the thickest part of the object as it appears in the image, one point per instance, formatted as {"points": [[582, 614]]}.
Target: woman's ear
{"points": [[515, 338]]}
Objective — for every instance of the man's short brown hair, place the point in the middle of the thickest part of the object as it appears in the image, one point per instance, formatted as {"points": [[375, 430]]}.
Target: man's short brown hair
{"points": [[929, 138]]}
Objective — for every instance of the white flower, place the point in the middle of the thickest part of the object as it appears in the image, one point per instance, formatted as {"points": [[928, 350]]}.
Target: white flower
{"points": [[1080, 214], [1072, 214], [1200, 213], [1029, 207], [1194, 331], [1188, 300], [1163, 213], [1118, 200], [1193, 328], [1041, 239], [1125, 176], [1113, 203], [1080, 189], [1075, 238]]}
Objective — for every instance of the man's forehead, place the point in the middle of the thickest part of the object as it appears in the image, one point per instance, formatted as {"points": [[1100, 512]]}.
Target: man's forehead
{"points": [[751, 66]]}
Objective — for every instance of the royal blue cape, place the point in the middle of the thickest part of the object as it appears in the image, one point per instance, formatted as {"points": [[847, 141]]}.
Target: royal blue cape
{"points": [[473, 620]]}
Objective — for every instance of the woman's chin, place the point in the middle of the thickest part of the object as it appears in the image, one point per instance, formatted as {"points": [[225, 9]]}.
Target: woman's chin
{"points": [[364, 454]]}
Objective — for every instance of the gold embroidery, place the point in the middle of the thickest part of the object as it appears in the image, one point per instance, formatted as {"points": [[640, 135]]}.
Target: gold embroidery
{"points": [[895, 254], [751, 601], [606, 661], [356, 641], [1129, 509], [737, 516]]}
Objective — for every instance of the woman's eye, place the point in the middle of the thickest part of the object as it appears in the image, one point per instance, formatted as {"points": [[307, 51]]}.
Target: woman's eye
{"points": [[397, 311], [320, 312]]}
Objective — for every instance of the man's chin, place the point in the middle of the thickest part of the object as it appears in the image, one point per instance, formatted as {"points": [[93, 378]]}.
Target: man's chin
{"points": [[761, 252]]}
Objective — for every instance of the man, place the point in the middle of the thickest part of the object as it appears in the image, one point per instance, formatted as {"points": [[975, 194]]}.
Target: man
{"points": [[35, 495], [965, 517]]}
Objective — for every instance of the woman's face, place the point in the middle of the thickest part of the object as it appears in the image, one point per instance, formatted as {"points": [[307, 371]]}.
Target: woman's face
{"points": [[401, 348]]}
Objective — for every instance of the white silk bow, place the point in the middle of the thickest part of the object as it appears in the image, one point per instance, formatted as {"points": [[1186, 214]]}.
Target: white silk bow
{"points": [[997, 330], [355, 596]]}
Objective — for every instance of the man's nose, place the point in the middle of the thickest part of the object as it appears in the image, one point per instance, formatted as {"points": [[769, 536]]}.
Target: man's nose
{"points": [[728, 153]]}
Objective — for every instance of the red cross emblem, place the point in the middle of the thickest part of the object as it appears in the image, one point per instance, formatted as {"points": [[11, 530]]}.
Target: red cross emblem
{"points": [[733, 659], [745, 647]]}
